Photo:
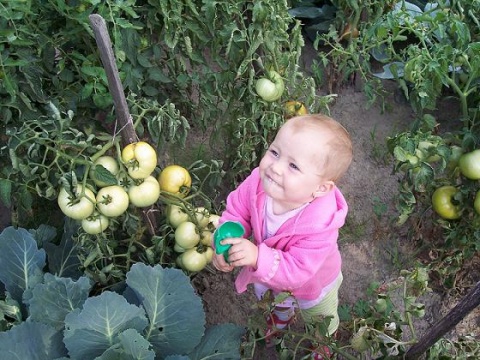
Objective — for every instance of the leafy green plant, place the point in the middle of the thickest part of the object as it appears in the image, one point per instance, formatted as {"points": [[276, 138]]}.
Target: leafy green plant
{"points": [[381, 327], [49, 315], [429, 50], [201, 58]]}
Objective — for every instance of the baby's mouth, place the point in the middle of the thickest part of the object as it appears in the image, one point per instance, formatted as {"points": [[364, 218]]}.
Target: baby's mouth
{"points": [[271, 181]]}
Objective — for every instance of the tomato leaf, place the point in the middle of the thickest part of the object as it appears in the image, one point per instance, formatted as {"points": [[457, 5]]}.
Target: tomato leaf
{"points": [[103, 175]]}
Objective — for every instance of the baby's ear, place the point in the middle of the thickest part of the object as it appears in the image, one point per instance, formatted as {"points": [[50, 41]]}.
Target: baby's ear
{"points": [[324, 189]]}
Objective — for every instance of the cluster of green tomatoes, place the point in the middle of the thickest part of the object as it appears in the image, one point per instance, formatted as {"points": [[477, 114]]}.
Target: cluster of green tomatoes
{"points": [[445, 199], [113, 185], [194, 228]]}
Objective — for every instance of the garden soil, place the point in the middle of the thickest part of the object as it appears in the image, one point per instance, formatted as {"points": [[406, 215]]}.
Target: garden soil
{"points": [[373, 248]]}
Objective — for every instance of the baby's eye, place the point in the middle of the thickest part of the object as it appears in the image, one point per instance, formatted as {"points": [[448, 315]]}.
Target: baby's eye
{"points": [[293, 166], [273, 152]]}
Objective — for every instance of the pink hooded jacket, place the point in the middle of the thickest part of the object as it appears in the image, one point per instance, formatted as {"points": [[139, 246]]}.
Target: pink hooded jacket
{"points": [[303, 256]]}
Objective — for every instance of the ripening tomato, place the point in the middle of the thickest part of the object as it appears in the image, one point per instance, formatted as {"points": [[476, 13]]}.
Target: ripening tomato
{"points": [[175, 179], [359, 340], [214, 221], [349, 32], [469, 164], [186, 235], [294, 108], [476, 204], [203, 216], [208, 253], [78, 206], [176, 216], [177, 248], [443, 202], [206, 238], [146, 193], [193, 261], [140, 158], [112, 200], [270, 88], [95, 223]]}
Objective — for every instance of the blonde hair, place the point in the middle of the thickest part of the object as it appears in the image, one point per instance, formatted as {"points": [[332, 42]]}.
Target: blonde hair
{"points": [[337, 157]]}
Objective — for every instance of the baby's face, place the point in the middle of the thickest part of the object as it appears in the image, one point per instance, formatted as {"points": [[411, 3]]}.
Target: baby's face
{"points": [[290, 168]]}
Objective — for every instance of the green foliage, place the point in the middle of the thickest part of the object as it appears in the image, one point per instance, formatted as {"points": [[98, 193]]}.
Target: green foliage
{"points": [[380, 327], [195, 60], [50, 316]]}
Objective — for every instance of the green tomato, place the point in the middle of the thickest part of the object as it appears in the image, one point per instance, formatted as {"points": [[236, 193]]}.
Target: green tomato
{"points": [[177, 248], [443, 205], [476, 203], [208, 253], [206, 237], [214, 221], [192, 260], [186, 235], [79, 206], [176, 216], [469, 164], [456, 153], [140, 158], [359, 340], [270, 88], [381, 305], [112, 200], [146, 193], [95, 223], [203, 216], [108, 163]]}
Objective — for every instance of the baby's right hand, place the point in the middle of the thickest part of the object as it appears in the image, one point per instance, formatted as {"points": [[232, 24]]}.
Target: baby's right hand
{"points": [[220, 263]]}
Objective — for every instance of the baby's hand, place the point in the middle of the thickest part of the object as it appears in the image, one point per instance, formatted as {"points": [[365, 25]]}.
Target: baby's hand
{"points": [[220, 264], [242, 252]]}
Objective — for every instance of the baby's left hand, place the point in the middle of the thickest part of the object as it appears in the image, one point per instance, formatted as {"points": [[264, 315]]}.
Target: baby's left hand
{"points": [[242, 253]]}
